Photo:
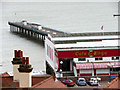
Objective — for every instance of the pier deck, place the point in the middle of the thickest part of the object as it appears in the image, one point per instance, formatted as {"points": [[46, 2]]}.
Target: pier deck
{"points": [[38, 31], [33, 30]]}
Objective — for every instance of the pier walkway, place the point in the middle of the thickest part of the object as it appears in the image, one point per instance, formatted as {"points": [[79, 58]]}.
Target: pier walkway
{"points": [[33, 30], [39, 32]]}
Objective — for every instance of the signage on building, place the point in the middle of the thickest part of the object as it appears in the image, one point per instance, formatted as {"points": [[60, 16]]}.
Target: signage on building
{"points": [[89, 53]]}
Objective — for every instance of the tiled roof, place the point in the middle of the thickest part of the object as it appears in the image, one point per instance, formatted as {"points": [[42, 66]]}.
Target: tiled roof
{"points": [[115, 83], [7, 82], [50, 83], [4, 74], [38, 79], [37, 82]]}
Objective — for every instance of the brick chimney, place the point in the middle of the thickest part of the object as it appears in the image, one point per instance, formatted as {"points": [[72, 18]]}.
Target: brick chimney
{"points": [[17, 60], [25, 74]]}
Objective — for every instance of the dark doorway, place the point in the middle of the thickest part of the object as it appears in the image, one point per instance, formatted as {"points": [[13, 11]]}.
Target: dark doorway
{"points": [[65, 66]]}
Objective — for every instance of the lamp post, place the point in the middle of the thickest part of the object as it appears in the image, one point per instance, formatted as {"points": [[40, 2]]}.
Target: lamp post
{"points": [[61, 62]]}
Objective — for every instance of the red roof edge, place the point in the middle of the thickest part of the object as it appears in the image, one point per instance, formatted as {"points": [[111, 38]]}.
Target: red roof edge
{"points": [[112, 82], [41, 82], [4, 74]]}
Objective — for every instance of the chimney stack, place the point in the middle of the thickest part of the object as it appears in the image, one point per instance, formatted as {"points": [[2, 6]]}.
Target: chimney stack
{"points": [[25, 74], [17, 60]]}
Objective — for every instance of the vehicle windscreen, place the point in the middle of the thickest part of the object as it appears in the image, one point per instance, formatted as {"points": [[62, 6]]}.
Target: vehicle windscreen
{"points": [[70, 81], [81, 80]]}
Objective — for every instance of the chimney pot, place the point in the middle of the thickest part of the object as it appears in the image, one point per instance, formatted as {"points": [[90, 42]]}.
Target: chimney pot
{"points": [[21, 54], [15, 52], [18, 53], [27, 60], [23, 61]]}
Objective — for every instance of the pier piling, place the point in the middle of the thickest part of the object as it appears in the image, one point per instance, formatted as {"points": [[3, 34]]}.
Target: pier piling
{"points": [[32, 30]]}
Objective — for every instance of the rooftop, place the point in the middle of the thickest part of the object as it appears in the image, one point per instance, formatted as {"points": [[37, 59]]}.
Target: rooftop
{"points": [[49, 83], [86, 34], [114, 84], [42, 81]]}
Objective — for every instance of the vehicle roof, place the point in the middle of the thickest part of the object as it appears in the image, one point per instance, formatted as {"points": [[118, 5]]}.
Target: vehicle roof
{"points": [[94, 78], [81, 78]]}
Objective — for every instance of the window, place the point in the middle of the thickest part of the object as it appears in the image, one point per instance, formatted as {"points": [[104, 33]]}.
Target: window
{"points": [[98, 58], [81, 59], [77, 71], [115, 58], [115, 69]]}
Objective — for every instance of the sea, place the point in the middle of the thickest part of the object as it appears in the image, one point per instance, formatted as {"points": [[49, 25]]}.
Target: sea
{"points": [[71, 17]]}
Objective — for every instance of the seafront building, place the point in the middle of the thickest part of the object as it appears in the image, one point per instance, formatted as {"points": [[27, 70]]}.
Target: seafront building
{"points": [[85, 54], [80, 54]]}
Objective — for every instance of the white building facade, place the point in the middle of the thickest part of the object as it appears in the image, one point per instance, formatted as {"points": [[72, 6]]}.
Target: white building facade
{"points": [[85, 54]]}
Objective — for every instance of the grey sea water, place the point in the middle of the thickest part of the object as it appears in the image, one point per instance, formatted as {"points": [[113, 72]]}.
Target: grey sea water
{"points": [[67, 17]]}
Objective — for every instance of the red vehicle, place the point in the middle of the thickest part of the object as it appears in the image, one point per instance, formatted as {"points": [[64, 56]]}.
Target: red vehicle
{"points": [[68, 82]]}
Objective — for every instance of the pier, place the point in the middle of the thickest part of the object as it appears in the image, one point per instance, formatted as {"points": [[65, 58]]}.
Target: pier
{"points": [[33, 30], [40, 32]]}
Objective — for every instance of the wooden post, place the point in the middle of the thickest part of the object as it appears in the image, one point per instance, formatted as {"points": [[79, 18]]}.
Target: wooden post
{"points": [[38, 35], [10, 28], [22, 30], [31, 34], [17, 29]]}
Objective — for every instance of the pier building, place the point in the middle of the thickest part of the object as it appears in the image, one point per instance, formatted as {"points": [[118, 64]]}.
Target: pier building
{"points": [[76, 54]]}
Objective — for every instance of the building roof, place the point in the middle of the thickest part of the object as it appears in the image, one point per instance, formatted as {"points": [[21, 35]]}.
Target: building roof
{"points": [[50, 83], [115, 83], [41, 81], [7, 82], [86, 34], [4, 74]]}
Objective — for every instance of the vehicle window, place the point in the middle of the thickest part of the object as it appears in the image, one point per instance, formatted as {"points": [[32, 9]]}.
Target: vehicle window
{"points": [[64, 81], [81, 80], [70, 81], [92, 79]]}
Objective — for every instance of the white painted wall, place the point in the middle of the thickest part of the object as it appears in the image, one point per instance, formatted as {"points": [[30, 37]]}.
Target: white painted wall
{"points": [[71, 65], [16, 73], [75, 71], [56, 62], [25, 80], [102, 71], [85, 71], [90, 44], [83, 37], [51, 62]]}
